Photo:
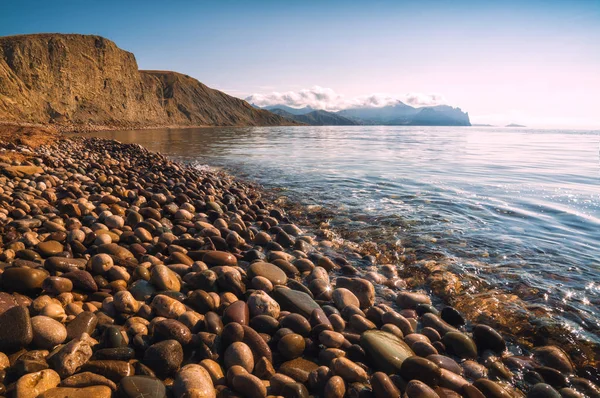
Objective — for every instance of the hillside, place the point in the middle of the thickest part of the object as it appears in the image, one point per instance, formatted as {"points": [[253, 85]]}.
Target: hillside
{"points": [[86, 82], [317, 118]]}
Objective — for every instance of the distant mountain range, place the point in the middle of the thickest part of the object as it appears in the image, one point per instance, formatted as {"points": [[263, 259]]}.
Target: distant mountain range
{"points": [[398, 114], [317, 118]]}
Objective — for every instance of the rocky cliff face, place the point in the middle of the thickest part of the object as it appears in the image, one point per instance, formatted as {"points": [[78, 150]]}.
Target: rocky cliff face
{"points": [[79, 81]]}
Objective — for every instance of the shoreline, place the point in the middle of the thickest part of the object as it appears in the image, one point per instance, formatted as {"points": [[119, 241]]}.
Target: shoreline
{"points": [[84, 129], [383, 279]]}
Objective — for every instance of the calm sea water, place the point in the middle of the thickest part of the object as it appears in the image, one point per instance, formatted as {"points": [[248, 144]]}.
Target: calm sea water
{"points": [[519, 208]]}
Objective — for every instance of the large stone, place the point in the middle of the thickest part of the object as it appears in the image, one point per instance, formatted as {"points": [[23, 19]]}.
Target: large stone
{"points": [[342, 298], [22, 171], [386, 351], [167, 306], [460, 344], [85, 322], [193, 381], [270, 271], [113, 370], [82, 280], [115, 250], [298, 369], [410, 300], [554, 357], [214, 258], [295, 301], [260, 303], [47, 332], [23, 279], [64, 264], [50, 248], [87, 379], [7, 301], [15, 329], [72, 355], [362, 289], [164, 358], [164, 279], [237, 312], [33, 384], [86, 392], [141, 386]]}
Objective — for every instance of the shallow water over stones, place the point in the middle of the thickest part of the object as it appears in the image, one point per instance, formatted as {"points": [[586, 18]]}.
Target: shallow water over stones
{"points": [[517, 208], [172, 306]]}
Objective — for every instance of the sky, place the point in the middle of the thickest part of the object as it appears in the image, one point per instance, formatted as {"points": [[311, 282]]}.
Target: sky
{"points": [[529, 62]]}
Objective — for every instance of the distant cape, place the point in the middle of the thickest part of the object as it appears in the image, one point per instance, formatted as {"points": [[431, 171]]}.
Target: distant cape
{"points": [[398, 114]]}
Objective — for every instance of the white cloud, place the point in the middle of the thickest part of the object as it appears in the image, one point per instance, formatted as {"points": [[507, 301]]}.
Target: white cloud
{"points": [[325, 98]]}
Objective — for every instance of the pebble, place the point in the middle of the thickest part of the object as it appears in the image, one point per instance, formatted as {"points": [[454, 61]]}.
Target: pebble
{"points": [[33, 384], [348, 370], [486, 337], [291, 346], [418, 389], [386, 351], [111, 369], [72, 355], [362, 289], [85, 322], [50, 248], [260, 303], [239, 354], [269, 271], [214, 258], [237, 312], [422, 369], [335, 388], [249, 385], [295, 301], [20, 332], [133, 266], [86, 392], [342, 298], [47, 332], [23, 280], [88, 379], [193, 381], [164, 357], [164, 279], [412, 300], [460, 345]]}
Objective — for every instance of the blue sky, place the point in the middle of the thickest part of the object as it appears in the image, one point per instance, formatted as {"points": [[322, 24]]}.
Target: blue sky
{"points": [[530, 62]]}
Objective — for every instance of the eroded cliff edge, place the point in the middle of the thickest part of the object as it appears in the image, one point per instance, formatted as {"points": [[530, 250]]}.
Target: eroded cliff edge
{"points": [[80, 82]]}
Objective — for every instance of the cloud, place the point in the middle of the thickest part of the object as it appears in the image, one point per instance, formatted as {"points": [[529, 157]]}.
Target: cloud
{"points": [[325, 98]]}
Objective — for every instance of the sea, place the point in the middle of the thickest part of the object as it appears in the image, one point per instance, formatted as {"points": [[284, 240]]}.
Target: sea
{"points": [[516, 207]]}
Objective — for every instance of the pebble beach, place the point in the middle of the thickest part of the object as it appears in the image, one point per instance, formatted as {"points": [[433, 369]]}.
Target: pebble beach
{"points": [[126, 274]]}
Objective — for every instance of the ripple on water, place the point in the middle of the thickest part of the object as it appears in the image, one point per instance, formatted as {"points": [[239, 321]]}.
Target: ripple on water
{"points": [[522, 201]]}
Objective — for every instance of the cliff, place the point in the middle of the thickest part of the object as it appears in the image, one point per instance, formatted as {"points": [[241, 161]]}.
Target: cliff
{"points": [[86, 82]]}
